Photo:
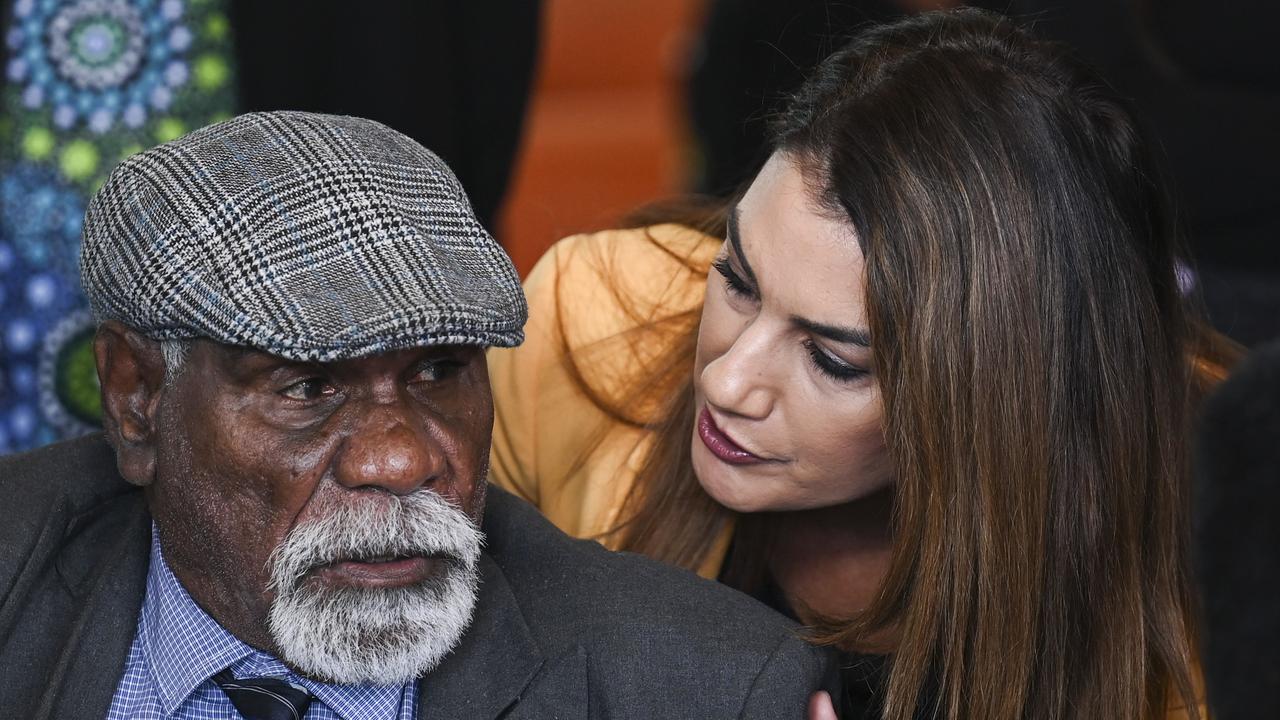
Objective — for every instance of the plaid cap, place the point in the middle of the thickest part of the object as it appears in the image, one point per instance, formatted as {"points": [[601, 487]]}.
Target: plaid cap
{"points": [[312, 237]]}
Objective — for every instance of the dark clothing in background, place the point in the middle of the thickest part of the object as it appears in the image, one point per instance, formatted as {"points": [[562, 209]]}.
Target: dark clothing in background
{"points": [[1237, 539], [455, 76], [562, 627], [751, 56], [1204, 80]]}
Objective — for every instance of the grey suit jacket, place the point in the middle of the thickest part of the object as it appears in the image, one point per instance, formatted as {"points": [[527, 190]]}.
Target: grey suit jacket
{"points": [[562, 629]]}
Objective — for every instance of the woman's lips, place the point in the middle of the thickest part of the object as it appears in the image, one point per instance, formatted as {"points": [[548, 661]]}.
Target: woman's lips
{"points": [[396, 572], [721, 445]]}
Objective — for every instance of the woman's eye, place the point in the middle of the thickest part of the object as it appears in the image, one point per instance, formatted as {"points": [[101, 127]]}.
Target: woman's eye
{"points": [[832, 366], [308, 390], [732, 280]]}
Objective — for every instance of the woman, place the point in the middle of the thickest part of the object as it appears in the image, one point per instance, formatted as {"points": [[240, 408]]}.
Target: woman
{"points": [[932, 397]]}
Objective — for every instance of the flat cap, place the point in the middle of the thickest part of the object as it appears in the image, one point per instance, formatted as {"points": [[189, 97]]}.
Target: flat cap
{"points": [[312, 237]]}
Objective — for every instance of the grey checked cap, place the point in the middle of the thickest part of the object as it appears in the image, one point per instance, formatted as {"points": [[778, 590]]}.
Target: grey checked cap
{"points": [[312, 237]]}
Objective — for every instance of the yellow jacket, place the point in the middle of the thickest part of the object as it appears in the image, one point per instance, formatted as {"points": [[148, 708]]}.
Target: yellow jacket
{"points": [[551, 444]]}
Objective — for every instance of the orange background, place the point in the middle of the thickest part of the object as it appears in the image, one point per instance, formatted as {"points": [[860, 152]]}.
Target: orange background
{"points": [[605, 130]]}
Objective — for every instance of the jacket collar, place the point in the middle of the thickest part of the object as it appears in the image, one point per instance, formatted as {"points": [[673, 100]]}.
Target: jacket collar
{"points": [[492, 665], [107, 600]]}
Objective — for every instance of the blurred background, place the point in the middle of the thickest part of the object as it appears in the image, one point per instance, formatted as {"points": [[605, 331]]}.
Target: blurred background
{"points": [[561, 116]]}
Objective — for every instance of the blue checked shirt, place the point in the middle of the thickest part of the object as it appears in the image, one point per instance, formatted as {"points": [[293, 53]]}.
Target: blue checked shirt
{"points": [[177, 649]]}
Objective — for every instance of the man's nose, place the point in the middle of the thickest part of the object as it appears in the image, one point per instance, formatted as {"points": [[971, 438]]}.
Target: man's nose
{"points": [[389, 451]]}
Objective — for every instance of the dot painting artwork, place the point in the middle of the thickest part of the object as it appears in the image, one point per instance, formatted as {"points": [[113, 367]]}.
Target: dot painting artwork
{"points": [[87, 83]]}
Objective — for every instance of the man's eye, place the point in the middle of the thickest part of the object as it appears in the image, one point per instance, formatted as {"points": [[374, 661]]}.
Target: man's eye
{"points": [[437, 370], [308, 390]]}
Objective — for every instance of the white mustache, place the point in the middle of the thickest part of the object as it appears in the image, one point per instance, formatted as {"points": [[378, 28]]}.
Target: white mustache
{"points": [[419, 524]]}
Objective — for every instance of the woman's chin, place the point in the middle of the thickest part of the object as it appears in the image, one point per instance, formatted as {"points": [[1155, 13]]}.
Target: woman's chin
{"points": [[728, 485]]}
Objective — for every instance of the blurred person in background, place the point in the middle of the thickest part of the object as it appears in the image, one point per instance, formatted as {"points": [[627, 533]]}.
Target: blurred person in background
{"points": [[453, 76], [925, 386], [1237, 540]]}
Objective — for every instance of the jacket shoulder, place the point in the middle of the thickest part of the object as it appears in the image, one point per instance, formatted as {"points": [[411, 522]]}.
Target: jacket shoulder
{"points": [[80, 473], [651, 627], [46, 489], [617, 586], [72, 572]]}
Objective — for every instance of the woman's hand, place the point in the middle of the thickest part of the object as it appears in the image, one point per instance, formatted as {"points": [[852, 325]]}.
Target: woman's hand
{"points": [[821, 707]]}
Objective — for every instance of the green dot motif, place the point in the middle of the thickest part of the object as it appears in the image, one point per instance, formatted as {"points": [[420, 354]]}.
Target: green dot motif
{"points": [[77, 380], [79, 160]]}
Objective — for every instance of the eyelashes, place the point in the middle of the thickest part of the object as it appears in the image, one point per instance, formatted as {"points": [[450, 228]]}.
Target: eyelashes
{"points": [[831, 366], [733, 280], [822, 361]]}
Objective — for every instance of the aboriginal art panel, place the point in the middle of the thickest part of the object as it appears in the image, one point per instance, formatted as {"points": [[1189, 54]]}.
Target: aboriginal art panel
{"points": [[86, 84]]}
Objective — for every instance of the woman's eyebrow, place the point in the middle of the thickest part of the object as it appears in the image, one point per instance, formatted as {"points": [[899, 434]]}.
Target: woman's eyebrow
{"points": [[851, 336], [735, 243]]}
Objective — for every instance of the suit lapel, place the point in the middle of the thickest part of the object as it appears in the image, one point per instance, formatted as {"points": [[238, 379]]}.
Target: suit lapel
{"points": [[492, 665], [560, 690], [107, 601]]}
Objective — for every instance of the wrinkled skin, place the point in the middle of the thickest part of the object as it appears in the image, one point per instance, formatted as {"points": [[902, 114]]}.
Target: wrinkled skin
{"points": [[242, 446]]}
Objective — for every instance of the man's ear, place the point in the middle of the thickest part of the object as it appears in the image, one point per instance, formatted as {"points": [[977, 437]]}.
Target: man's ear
{"points": [[131, 372]]}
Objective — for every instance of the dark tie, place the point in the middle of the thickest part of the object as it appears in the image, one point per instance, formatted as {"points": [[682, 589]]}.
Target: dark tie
{"points": [[264, 698]]}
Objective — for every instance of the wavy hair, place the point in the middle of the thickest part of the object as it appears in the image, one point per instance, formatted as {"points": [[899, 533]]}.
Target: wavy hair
{"points": [[1038, 368]]}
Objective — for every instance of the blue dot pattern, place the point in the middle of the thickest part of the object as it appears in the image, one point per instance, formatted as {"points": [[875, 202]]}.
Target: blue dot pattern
{"points": [[99, 63], [40, 221], [84, 84]]}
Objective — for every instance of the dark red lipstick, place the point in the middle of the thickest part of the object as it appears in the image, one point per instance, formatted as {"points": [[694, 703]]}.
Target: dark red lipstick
{"points": [[721, 445]]}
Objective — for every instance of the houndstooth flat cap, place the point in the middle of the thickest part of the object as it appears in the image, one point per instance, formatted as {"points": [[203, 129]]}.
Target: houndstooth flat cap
{"points": [[312, 237]]}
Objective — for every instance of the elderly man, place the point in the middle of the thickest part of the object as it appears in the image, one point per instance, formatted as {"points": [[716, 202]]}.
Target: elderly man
{"points": [[287, 515]]}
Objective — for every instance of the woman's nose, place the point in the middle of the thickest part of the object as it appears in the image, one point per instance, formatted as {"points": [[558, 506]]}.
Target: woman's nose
{"points": [[740, 381]]}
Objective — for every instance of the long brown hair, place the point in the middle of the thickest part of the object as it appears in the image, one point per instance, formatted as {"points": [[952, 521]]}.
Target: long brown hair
{"points": [[1038, 369]]}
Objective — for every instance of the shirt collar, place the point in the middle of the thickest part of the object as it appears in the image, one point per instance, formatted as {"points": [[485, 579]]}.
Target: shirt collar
{"points": [[185, 647]]}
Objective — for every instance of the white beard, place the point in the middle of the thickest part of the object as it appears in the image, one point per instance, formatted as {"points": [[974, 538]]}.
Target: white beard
{"points": [[379, 636]]}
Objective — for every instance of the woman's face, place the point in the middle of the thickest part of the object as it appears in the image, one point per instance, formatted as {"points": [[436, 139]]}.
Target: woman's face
{"points": [[787, 403]]}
